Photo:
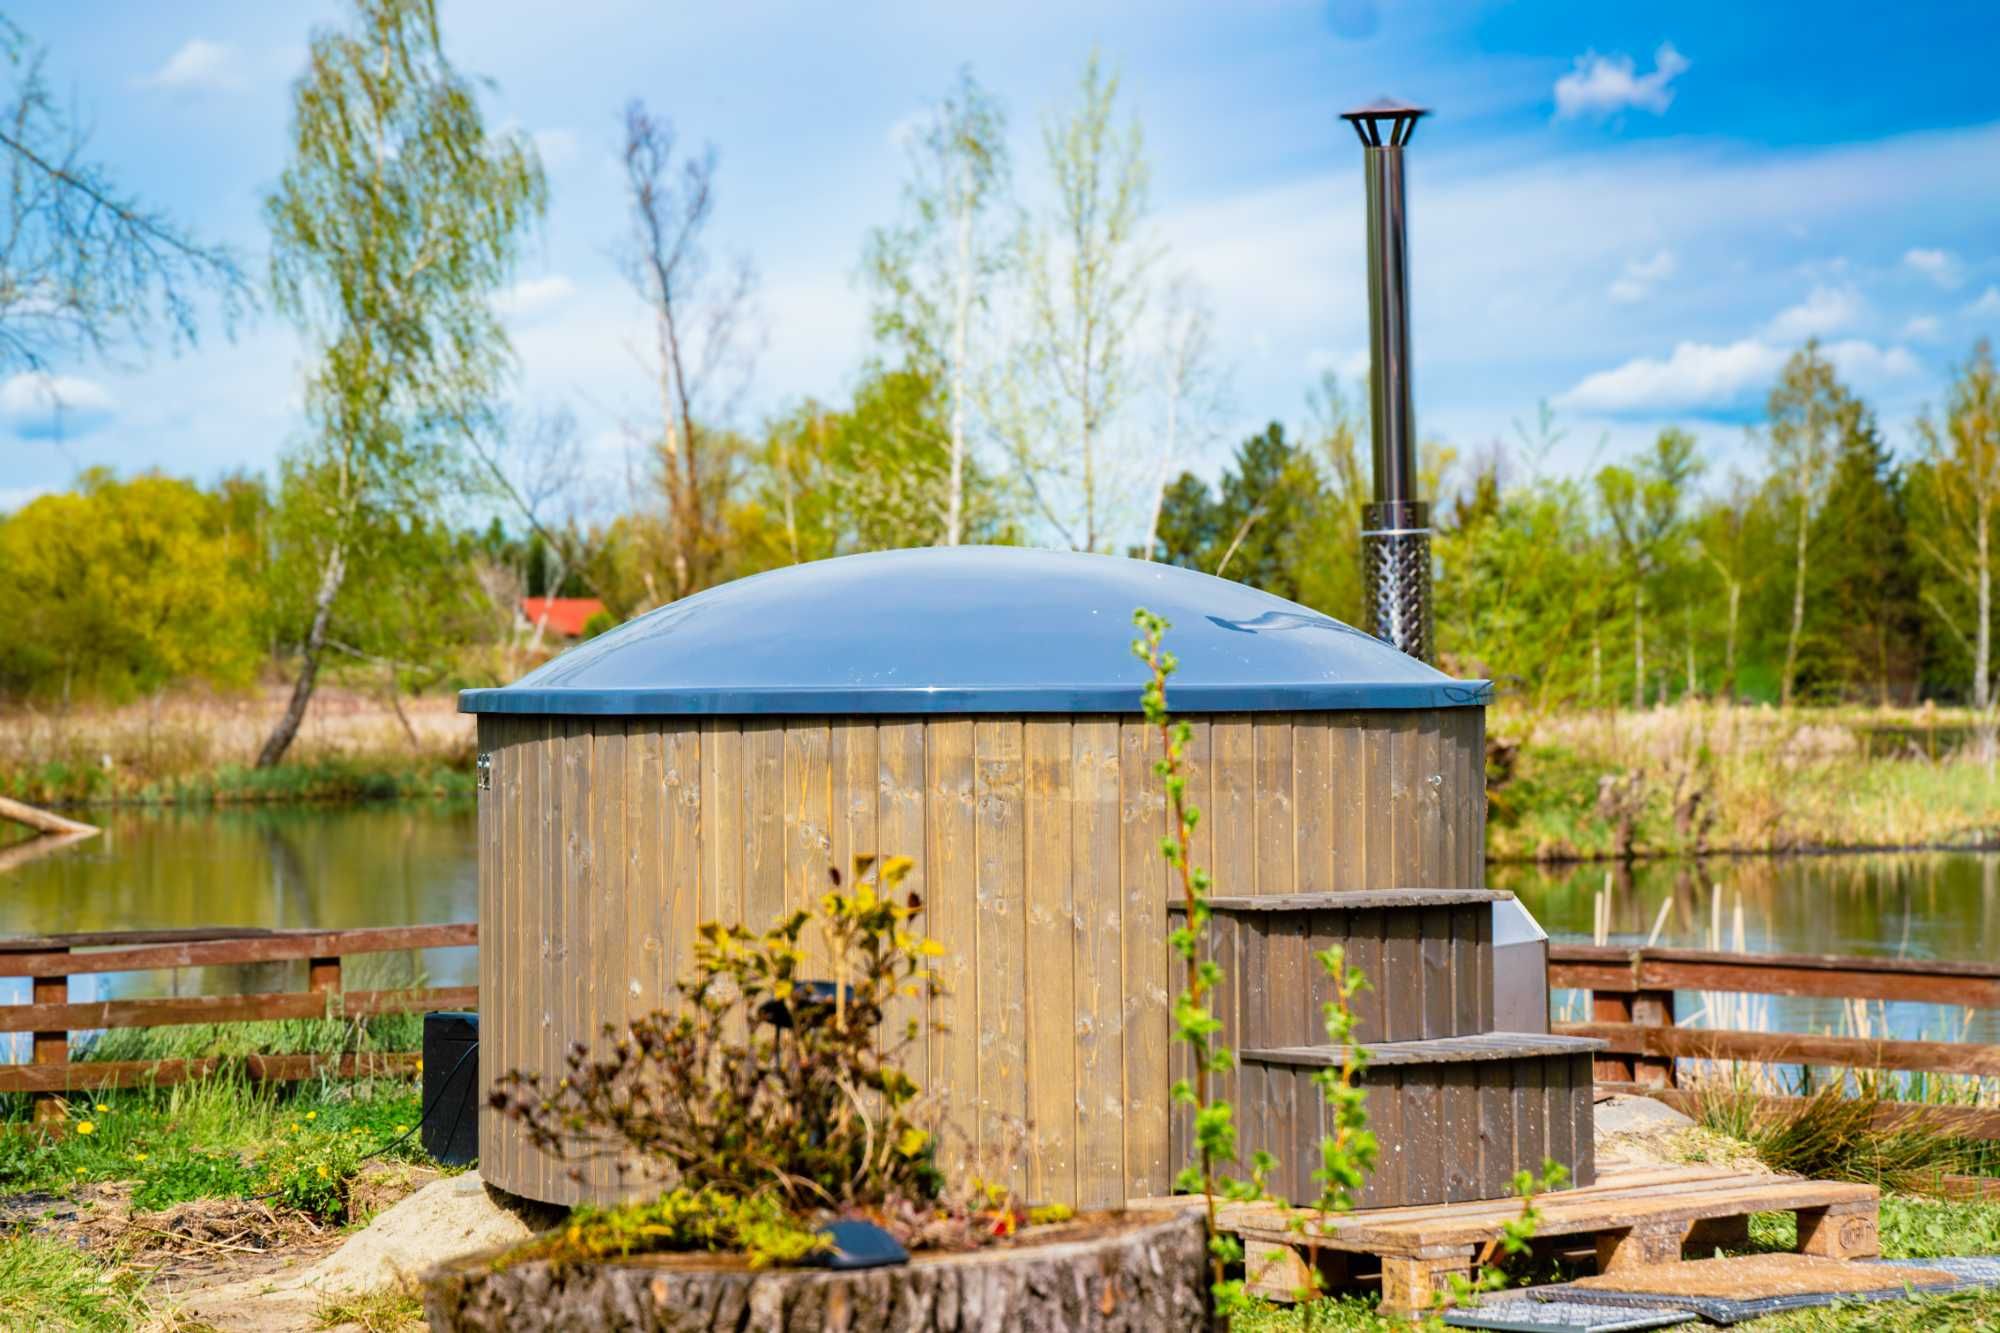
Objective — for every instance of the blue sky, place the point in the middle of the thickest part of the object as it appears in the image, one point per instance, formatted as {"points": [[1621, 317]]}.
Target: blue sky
{"points": [[1634, 211]]}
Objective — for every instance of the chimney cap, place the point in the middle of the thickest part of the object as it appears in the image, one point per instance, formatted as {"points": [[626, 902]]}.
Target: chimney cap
{"points": [[1402, 118]]}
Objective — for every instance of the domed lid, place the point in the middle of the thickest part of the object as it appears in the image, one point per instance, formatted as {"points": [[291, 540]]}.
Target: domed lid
{"points": [[972, 629]]}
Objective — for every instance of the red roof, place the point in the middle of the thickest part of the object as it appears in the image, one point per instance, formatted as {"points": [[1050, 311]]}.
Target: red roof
{"points": [[567, 615]]}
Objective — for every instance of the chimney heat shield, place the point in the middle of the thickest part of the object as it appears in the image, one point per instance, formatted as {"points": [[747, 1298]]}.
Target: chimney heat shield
{"points": [[1395, 525]]}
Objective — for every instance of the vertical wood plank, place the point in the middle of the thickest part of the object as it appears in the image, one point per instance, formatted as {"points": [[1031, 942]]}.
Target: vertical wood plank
{"points": [[1473, 807], [1232, 821], [1439, 988], [573, 982], [1282, 987], [1390, 1179], [1347, 744], [763, 795], [1460, 1132], [1276, 835], [952, 843], [541, 893], [1466, 1008], [1312, 787], [1560, 1113], [1401, 979], [650, 891], [1003, 1102], [1143, 822], [493, 900], [723, 837], [1423, 1130], [1099, 900], [1402, 782], [1051, 965], [1583, 1122], [1531, 1118], [1427, 864], [1378, 804], [1496, 1128], [678, 789], [808, 841], [855, 783], [899, 806], [1364, 950]]}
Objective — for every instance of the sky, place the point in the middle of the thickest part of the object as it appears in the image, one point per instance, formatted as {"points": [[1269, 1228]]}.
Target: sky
{"points": [[1633, 212]]}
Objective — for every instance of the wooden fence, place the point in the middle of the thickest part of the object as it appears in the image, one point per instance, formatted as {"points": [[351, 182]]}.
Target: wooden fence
{"points": [[50, 961], [1632, 1008]]}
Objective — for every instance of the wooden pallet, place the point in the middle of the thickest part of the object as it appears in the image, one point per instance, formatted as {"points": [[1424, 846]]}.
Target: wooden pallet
{"points": [[1635, 1214]]}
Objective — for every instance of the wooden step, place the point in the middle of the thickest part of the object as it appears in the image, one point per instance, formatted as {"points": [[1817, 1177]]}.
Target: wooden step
{"points": [[1455, 1117], [1472, 1048], [1427, 954]]}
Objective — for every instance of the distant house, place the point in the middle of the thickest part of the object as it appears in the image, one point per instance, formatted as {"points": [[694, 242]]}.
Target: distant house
{"points": [[566, 615]]}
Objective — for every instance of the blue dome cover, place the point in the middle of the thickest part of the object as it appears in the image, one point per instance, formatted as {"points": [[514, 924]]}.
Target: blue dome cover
{"points": [[972, 629]]}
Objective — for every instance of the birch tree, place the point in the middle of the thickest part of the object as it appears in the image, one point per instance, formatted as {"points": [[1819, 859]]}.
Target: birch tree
{"points": [[1190, 387], [701, 316], [936, 271], [1086, 263], [395, 223], [1958, 492], [1803, 444]]}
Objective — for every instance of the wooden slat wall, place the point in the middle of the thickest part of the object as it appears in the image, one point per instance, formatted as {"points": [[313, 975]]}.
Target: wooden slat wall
{"points": [[605, 842]]}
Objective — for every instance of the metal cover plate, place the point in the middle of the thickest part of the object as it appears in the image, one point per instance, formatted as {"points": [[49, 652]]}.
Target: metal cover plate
{"points": [[973, 630]]}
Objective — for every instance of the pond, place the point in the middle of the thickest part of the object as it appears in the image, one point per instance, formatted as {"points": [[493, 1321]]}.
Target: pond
{"points": [[414, 863]]}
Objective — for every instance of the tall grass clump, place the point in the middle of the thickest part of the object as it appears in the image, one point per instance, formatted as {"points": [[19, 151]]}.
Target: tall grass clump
{"points": [[1831, 1135]]}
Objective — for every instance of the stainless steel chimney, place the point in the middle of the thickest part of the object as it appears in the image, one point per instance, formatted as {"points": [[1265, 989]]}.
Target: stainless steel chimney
{"points": [[1396, 527]]}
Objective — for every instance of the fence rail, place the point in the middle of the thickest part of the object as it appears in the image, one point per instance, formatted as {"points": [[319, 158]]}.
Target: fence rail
{"points": [[50, 961], [1632, 1008]]}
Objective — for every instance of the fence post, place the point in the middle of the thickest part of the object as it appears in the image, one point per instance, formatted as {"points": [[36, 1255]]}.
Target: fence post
{"points": [[52, 1044], [1610, 1006], [1654, 1008]]}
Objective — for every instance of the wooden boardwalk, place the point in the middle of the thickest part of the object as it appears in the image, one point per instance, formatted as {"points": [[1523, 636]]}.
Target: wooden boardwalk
{"points": [[1634, 1214]]}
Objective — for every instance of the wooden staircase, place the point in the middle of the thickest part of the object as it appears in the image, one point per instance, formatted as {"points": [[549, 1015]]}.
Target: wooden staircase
{"points": [[1457, 1107]]}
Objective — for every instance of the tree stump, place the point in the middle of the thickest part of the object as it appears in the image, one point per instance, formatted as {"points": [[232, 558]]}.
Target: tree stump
{"points": [[1100, 1273]]}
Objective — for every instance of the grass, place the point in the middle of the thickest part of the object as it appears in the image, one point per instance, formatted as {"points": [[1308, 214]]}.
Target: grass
{"points": [[219, 1137], [47, 1284], [389, 1310], [1767, 781]]}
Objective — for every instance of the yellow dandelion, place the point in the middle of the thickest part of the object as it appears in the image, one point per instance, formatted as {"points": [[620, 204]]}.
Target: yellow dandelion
{"points": [[399, 1129], [420, 1064], [101, 1108], [323, 1173], [312, 1115], [79, 1171], [139, 1156], [86, 1127], [295, 1127]]}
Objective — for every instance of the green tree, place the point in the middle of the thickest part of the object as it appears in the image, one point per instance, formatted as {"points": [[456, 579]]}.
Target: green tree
{"points": [[1262, 525], [1087, 266], [121, 587], [935, 271], [1644, 507], [827, 482], [1803, 442], [1865, 637], [1956, 488], [394, 224]]}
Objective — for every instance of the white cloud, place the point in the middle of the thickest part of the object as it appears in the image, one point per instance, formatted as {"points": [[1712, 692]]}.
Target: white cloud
{"points": [[1922, 328], [40, 406], [1864, 361], [1987, 304], [1603, 86], [1825, 310], [199, 65], [1707, 376], [535, 296], [1696, 375], [557, 147], [1940, 266], [1640, 276]]}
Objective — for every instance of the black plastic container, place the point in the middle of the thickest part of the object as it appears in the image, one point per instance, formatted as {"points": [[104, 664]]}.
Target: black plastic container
{"points": [[451, 1087]]}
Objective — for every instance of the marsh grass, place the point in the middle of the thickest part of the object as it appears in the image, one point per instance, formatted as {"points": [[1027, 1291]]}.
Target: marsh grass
{"points": [[196, 748], [1768, 781], [1831, 1136]]}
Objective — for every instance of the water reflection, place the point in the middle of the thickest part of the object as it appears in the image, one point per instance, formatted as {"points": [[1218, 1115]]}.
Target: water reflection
{"points": [[1937, 905], [156, 869]]}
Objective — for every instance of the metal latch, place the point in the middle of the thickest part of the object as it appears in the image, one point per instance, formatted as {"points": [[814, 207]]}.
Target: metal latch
{"points": [[485, 766]]}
